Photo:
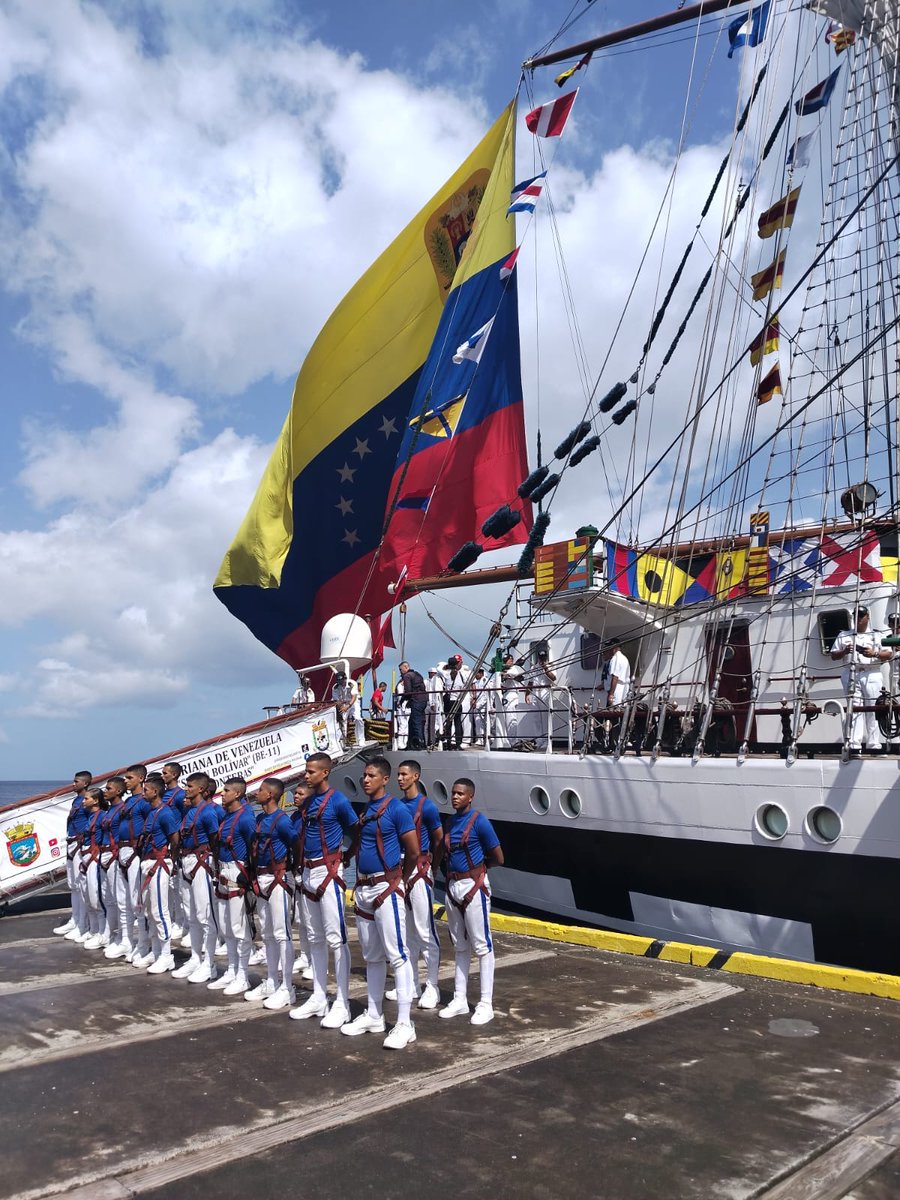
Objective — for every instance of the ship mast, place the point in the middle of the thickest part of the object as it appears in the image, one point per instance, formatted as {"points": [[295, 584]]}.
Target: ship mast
{"points": [[706, 8]]}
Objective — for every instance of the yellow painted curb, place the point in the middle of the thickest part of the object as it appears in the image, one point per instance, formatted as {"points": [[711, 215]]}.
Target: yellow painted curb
{"points": [[841, 979]]}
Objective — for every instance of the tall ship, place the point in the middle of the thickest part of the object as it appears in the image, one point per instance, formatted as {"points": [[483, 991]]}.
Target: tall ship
{"points": [[684, 718]]}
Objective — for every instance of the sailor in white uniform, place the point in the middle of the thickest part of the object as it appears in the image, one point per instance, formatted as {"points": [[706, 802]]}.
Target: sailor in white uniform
{"points": [[616, 675], [434, 710], [861, 648], [346, 696]]}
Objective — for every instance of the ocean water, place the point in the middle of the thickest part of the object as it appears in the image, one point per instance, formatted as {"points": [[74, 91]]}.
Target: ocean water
{"points": [[14, 790]]}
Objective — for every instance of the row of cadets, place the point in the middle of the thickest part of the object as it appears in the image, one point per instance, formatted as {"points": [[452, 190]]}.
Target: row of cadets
{"points": [[158, 847], [233, 883], [273, 885], [174, 798]]}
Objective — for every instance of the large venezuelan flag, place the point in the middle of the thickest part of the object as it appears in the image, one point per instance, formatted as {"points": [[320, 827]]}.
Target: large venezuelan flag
{"points": [[393, 455]]}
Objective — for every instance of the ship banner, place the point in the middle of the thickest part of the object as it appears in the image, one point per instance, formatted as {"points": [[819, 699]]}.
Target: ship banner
{"points": [[34, 832], [794, 565]]}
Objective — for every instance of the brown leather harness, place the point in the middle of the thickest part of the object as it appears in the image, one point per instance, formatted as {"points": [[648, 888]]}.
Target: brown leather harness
{"points": [[331, 860], [423, 861], [158, 857], [201, 853], [393, 876], [477, 872], [231, 889], [276, 868]]}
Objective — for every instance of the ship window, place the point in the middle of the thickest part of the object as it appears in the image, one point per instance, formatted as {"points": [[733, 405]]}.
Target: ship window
{"points": [[539, 650], [591, 652], [439, 791], [824, 824], [832, 622], [570, 803], [539, 800], [772, 821], [350, 788]]}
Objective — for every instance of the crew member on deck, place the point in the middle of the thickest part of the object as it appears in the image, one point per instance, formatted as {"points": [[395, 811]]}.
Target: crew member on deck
{"points": [[421, 933], [274, 886], [236, 833], [199, 836], [616, 674], [861, 647], [76, 929], [159, 844]]}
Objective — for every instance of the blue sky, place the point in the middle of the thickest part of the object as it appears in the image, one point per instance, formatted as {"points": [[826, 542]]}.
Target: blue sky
{"points": [[188, 189]]}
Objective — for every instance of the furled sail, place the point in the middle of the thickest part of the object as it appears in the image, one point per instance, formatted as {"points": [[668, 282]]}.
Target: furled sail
{"points": [[400, 441]]}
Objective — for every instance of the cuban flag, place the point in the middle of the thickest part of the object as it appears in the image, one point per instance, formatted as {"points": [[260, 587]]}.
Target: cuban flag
{"points": [[816, 100], [525, 195], [549, 120], [749, 30], [472, 349]]}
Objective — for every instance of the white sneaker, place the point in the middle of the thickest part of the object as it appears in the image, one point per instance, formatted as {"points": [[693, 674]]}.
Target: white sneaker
{"points": [[363, 1024], [67, 928], [258, 957], [301, 963], [176, 932], [74, 934], [261, 991], [456, 1008], [129, 957], [186, 941], [81, 938], [336, 1017], [187, 968], [403, 1034], [483, 1013], [281, 998], [221, 950], [116, 950], [94, 942], [309, 1008], [224, 981], [142, 961], [104, 940], [390, 994], [238, 985], [430, 997], [160, 965], [203, 974]]}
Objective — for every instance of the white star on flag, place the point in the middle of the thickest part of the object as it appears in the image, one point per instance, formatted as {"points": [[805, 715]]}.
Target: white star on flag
{"points": [[346, 473], [351, 537], [361, 448], [387, 427], [473, 349], [346, 506]]}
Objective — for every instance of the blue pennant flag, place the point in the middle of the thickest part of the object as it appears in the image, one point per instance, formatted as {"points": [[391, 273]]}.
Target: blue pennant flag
{"points": [[749, 30], [816, 100]]}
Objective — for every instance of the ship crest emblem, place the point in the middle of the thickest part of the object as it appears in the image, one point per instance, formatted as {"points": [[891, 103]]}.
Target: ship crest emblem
{"points": [[22, 844], [320, 735], [448, 228]]}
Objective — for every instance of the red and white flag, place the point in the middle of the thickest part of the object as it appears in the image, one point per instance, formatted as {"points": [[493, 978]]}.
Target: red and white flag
{"points": [[850, 558], [507, 269], [550, 119]]}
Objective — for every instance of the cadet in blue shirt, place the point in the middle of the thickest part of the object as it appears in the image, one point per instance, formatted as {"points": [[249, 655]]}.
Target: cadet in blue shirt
{"points": [[272, 862], [114, 794], [159, 843], [76, 929], [421, 931], [471, 845], [199, 837], [178, 897], [134, 937], [90, 869], [324, 820], [236, 834], [386, 857]]}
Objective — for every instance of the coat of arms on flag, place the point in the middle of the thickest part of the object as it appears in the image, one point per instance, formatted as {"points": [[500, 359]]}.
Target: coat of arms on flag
{"points": [[22, 844]]}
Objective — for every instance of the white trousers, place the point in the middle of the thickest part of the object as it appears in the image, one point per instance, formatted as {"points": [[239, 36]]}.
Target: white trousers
{"points": [[275, 919], [869, 685], [155, 881], [234, 922], [421, 932], [471, 931], [128, 899], [202, 910], [434, 725], [110, 873], [382, 939], [92, 884], [75, 880], [327, 930]]}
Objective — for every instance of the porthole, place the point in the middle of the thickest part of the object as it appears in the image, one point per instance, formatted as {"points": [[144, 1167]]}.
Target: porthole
{"points": [[350, 786], [824, 824], [539, 801], [439, 792], [570, 803], [772, 821]]}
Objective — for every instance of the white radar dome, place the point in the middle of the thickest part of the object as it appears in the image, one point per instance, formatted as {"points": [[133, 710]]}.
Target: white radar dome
{"points": [[347, 636]]}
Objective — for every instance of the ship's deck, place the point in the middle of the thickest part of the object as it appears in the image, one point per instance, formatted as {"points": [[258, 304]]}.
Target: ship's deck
{"points": [[602, 1075]]}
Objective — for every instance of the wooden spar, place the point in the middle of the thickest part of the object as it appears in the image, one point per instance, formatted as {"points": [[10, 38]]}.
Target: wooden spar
{"points": [[617, 37], [434, 583]]}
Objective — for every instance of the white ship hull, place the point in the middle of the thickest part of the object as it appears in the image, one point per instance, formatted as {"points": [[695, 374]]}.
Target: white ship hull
{"points": [[678, 850]]}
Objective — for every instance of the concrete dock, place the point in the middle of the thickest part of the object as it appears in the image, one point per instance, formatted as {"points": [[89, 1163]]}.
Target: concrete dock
{"points": [[603, 1074]]}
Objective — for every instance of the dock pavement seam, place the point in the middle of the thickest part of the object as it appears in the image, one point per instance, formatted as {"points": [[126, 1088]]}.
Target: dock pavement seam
{"points": [[190, 1160]]}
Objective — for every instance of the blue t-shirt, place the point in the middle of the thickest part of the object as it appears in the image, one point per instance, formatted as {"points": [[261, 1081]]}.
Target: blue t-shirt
{"points": [[108, 821], [77, 820], [481, 841], [337, 818], [200, 823], [132, 815], [274, 837], [393, 823], [92, 829], [431, 819], [236, 835], [161, 823], [174, 798]]}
